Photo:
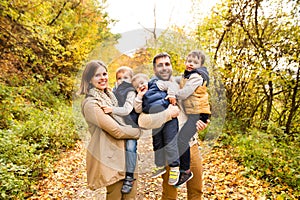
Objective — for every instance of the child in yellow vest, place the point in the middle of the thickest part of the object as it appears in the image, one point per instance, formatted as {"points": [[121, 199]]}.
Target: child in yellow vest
{"points": [[194, 98]]}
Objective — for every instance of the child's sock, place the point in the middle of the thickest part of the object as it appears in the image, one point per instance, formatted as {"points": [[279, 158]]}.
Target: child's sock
{"points": [[130, 174]]}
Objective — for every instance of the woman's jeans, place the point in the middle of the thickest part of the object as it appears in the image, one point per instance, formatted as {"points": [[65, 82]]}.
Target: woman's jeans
{"points": [[131, 155]]}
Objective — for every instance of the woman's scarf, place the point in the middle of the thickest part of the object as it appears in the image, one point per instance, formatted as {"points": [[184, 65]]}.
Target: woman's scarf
{"points": [[106, 97]]}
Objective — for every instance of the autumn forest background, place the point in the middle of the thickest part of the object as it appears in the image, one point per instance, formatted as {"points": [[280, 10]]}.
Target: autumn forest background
{"points": [[253, 57]]}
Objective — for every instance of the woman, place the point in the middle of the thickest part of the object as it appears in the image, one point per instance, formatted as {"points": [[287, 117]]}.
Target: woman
{"points": [[106, 150]]}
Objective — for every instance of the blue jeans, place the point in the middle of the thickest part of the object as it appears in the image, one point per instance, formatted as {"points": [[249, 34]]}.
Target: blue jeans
{"points": [[165, 144], [131, 155]]}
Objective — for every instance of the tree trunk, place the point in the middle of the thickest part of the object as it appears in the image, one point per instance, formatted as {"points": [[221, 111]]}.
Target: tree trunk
{"points": [[294, 105], [269, 104]]}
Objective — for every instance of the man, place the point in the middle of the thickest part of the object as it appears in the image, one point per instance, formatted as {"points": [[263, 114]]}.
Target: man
{"points": [[163, 70]]}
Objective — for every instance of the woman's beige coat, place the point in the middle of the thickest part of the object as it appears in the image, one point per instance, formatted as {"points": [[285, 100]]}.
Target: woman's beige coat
{"points": [[106, 150]]}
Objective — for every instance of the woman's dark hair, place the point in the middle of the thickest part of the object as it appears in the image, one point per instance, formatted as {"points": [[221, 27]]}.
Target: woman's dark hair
{"points": [[88, 73]]}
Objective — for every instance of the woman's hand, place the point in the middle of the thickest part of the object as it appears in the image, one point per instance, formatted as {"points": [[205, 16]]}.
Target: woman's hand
{"points": [[200, 125], [173, 110]]}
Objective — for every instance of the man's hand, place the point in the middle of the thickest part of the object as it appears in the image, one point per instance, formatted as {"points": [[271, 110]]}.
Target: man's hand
{"points": [[173, 110], [106, 109], [200, 125], [172, 101]]}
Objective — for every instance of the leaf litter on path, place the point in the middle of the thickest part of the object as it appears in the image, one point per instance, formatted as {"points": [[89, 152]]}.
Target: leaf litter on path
{"points": [[222, 176]]}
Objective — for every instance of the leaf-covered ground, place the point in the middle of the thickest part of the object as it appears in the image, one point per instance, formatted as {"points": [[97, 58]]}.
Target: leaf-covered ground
{"points": [[223, 178]]}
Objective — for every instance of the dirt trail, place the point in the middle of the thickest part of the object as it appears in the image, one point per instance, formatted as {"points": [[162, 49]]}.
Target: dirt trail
{"points": [[222, 177]]}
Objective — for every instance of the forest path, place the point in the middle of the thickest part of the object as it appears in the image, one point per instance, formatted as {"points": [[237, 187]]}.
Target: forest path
{"points": [[223, 177]]}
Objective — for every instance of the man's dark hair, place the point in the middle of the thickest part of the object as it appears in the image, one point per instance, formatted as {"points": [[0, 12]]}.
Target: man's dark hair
{"points": [[160, 55]]}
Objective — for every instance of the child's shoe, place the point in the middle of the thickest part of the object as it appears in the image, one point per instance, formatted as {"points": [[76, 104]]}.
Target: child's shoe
{"points": [[157, 171], [184, 177], [127, 185], [173, 175]]}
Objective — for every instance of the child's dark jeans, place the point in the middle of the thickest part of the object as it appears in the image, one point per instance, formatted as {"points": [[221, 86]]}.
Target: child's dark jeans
{"points": [[186, 133], [165, 144]]}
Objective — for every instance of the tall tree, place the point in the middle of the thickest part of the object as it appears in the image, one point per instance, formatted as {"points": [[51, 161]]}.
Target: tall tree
{"points": [[46, 40], [256, 45]]}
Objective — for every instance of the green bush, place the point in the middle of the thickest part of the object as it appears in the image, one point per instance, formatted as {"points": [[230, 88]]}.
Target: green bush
{"points": [[267, 158], [17, 102], [50, 128], [12, 149], [28, 148]]}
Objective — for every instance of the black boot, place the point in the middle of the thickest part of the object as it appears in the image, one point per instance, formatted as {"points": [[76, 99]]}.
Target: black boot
{"points": [[127, 185]]}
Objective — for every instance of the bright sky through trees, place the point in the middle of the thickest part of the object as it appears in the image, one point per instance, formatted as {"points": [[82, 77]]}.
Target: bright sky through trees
{"points": [[136, 14]]}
